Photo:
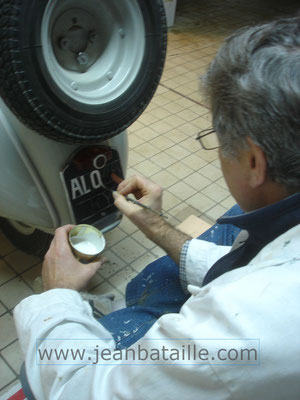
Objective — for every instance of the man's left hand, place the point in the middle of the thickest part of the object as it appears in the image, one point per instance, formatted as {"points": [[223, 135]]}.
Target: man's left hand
{"points": [[61, 269]]}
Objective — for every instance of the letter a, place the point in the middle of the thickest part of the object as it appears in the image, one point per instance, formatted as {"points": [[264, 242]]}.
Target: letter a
{"points": [[76, 188]]}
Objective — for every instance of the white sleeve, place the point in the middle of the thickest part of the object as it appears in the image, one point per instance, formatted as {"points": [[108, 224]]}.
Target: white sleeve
{"points": [[197, 257], [59, 318]]}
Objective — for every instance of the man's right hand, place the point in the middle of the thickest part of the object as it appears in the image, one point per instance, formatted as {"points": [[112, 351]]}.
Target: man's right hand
{"points": [[152, 225], [147, 193]]}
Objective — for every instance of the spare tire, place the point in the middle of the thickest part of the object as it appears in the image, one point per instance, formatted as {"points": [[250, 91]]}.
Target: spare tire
{"points": [[80, 71]]}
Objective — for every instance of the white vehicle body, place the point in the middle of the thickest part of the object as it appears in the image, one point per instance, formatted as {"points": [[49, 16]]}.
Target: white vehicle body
{"points": [[31, 188], [73, 76]]}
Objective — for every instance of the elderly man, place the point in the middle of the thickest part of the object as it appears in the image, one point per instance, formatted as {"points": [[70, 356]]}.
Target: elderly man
{"points": [[213, 304]]}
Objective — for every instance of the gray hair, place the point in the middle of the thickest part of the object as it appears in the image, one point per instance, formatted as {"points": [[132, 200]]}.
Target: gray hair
{"points": [[253, 88]]}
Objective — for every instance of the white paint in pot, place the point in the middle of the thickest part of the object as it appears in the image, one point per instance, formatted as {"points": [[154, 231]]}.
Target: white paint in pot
{"points": [[89, 244], [86, 247]]}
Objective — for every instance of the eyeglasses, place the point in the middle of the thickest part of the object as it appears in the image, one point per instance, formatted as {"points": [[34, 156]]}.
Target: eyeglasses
{"points": [[208, 139]]}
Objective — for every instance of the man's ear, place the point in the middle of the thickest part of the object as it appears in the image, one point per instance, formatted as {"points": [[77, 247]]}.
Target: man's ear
{"points": [[257, 164]]}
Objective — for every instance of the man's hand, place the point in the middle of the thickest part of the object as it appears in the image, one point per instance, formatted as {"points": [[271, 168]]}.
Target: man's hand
{"points": [[146, 192], [60, 267], [152, 225]]}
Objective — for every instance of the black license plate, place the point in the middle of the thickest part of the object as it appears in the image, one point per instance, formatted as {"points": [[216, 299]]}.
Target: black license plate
{"points": [[86, 178]]}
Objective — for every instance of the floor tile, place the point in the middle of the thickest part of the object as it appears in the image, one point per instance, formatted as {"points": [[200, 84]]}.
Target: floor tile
{"points": [[21, 261], [147, 133], [191, 145], [197, 181], [134, 141], [148, 119], [127, 226], [174, 108], [134, 158], [201, 202], [143, 240], [189, 130], [183, 211], [147, 168], [33, 278], [215, 192], [169, 201], [6, 273], [147, 150], [139, 264], [95, 281], [160, 100], [6, 246], [120, 279], [105, 288], [195, 162], [158, 252], [184, 102], [162, 126], [221, 182], [182, 190], [128, 250], [2, 309], [6, 374], [211, 172], [114, 237], [13, 292], [180, 170], [201, 123], [228, 202], [216, 212], [160, 113], [8, 390], [162, 142], [164, 178], [177, 152], [13, 356], [163, 160], [113, 264], [8, 331], [174, 121], [171, 95], [208, 155], [137, 125], [176, 136]]}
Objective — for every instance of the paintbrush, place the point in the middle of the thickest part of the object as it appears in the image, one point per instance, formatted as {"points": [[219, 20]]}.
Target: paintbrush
{"points": [[118, 180]]}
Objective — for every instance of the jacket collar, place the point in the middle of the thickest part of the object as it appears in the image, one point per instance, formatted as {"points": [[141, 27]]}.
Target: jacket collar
{"points": [[265, 224]]}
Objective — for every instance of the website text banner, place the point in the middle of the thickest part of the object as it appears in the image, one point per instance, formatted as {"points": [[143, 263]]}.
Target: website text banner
{"points": [[149, 352]]}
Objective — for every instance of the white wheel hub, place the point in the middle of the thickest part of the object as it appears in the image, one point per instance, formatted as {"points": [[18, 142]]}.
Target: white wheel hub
{"points": [[93, 50]]}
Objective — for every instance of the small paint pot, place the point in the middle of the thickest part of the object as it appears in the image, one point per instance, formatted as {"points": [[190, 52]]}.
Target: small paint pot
{"points": [[86, 242]]}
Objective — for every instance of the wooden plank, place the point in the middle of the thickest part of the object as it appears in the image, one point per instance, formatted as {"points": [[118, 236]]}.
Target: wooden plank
{"points": [[193, 226]]}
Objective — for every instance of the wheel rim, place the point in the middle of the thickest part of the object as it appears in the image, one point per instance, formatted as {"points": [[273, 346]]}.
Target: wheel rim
{"points": [[93, 50], [22, 228]]}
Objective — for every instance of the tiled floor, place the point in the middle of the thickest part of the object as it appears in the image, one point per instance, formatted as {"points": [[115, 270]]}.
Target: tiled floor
{"points": [[163, 147]]}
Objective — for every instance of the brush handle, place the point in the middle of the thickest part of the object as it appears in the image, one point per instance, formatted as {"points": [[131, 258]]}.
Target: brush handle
{"points": [[138, 203], [144, 206]]}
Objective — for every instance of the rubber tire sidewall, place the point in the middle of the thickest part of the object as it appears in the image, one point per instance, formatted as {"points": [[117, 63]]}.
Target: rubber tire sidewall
{"points": [[60, 117]]}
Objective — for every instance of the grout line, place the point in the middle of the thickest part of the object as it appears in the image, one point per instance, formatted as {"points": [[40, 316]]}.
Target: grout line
{"points": [[186, 97], [16, 380], [18, 274], [9, 344], [1, 302], [7, 364], [25, 270]]}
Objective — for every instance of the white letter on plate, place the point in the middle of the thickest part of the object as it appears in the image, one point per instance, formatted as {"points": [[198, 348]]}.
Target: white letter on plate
{"points": [[75, 186]]}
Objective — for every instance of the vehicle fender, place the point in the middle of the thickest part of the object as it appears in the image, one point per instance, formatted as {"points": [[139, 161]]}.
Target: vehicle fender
{"points": [[31, 188]]}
